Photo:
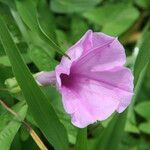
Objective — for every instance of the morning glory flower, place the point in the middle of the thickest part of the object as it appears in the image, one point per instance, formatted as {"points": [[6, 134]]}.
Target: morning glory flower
{"points": [[93, 83]]}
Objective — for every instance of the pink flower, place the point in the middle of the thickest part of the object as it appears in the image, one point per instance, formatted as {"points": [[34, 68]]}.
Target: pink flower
{"points": [[94, 83]]}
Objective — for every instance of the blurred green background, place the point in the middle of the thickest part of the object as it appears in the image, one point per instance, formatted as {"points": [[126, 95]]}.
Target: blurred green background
{"points": [[34, 24]]}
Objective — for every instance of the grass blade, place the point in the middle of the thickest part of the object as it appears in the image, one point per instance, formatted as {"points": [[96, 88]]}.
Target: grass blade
{"points": [[9, 125], [28, 13], [39, 106], [111, 135], [81, 142]]}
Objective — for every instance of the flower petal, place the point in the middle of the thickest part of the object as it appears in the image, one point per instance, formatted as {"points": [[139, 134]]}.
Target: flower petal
{"points": [[93, 83], [88, 102], [100, 39], [120, 79], [74, 52], [103, 57], [97, 96], [46, 78], [79, 115]]}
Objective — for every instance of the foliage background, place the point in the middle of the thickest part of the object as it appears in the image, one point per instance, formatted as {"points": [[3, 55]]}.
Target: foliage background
{"points": [[34, 25]]}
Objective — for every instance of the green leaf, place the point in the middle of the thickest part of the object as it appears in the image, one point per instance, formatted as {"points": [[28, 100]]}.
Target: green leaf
{"points": [[142, 64], [62, 39], [143, 109], [114, 19], [5, 72], [70, 6], [143, 56], [21, 26], [130, 127], [9, 125], [8, 2], [131, 120], [112, 134], [39, 47], [145, 127], [46, 20], [143, 3], [81, 141], [39, 106], [75, 32], [28, 13], [41, 59], [6, 15], [4, 60]]}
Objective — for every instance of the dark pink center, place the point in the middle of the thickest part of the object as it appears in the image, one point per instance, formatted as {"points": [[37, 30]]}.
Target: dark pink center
{"points": [[66, 80]]}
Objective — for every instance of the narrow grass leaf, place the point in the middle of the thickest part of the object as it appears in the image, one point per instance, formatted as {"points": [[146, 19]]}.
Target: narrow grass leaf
{"points": [[9, 125], [39, 105], [81, 141], [143, 55], [28, 13], [112, 134]]}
